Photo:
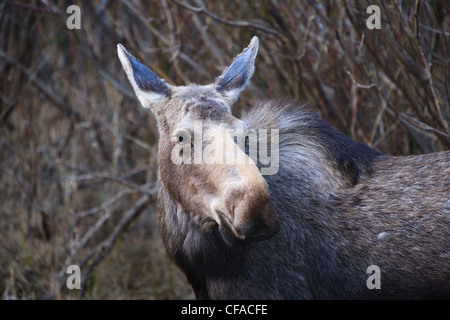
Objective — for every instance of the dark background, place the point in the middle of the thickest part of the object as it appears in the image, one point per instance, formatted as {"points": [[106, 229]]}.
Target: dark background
{"points": [[78, 153]]}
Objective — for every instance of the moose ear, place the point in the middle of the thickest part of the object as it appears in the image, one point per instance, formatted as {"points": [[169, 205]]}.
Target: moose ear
{"points": [[148, 87], [236, 77]]}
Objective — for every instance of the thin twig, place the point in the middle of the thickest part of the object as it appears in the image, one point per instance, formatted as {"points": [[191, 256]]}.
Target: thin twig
{"points": [[102, 206], [58, 101], [427, 68], [423, 126], [140, 143], [31, 8], [240, 24], [90, 233], [99, 253], [357, 84], [198, 67]]}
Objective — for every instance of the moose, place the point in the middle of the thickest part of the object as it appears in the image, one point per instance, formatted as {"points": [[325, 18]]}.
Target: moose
{"points": [[311, 230]]}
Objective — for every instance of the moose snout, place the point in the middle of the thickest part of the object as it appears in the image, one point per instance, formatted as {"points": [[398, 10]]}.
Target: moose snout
{"points": [[247, 213], [254, 222], [243, 207]]}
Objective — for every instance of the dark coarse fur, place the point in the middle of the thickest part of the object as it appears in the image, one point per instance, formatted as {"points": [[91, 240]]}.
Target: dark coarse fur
{"points": [[342, 207]]}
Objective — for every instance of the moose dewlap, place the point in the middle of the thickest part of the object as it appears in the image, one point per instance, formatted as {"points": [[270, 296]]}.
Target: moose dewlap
{"points": [[280, 205]]}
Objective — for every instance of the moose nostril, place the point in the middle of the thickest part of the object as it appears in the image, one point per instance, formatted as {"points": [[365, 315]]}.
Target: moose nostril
{"points": [[239, 233], [258, 223]]}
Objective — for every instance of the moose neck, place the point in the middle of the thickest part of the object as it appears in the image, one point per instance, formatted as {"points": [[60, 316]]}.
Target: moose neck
{"points": [[329, 160], [317, 165]]}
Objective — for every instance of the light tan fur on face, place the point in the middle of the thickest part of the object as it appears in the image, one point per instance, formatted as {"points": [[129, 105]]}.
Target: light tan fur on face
{"points": [[243, 203]]}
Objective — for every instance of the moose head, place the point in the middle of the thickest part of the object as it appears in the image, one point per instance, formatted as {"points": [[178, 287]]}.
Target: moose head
{"points": [[201, 165]]}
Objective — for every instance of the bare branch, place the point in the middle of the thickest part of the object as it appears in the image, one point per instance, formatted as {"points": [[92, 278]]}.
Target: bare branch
{"points": [[357, 84], [103, 206], [88, 235], [58, 101], [240, 24], [101, 251], [437, 105], [32, 8]]}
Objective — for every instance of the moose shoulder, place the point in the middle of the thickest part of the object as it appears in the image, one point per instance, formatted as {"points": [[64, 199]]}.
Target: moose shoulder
{"points": [[311, 228]]}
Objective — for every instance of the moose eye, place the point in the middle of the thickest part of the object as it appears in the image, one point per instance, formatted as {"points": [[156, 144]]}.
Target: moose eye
{"points": [[181, 137]]}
